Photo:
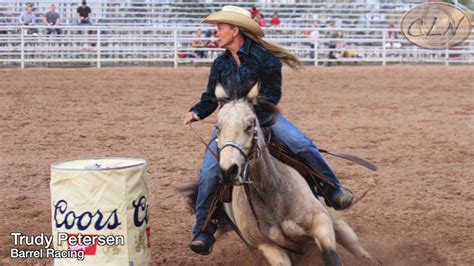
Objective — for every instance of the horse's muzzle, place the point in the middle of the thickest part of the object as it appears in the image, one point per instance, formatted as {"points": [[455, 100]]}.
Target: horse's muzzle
{"points": [[229, 174]]}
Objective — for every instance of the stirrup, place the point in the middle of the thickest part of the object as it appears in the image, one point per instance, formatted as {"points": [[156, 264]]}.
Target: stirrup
{"points": [[337, 204], [200, 245], [200, 249]]}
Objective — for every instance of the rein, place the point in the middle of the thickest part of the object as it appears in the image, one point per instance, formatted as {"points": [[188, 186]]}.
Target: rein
{"points": [[206, 144]]}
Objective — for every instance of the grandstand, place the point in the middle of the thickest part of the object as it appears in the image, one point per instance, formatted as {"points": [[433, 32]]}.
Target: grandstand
{"points": [[134, 31], [167, 13]]}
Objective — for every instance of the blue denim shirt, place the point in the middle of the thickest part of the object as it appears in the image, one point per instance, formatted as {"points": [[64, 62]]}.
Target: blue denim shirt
{"points": [[256, 64]]}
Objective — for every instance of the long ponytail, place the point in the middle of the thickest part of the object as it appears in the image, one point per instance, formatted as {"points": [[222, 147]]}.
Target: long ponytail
{"points": [[280, 52]]}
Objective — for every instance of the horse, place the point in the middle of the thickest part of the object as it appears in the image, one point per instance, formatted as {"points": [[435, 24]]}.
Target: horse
{"points": [[277, 212]]}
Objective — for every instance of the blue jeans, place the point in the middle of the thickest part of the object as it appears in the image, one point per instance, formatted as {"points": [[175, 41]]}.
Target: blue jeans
{"points": [[284, 131], [84, 22], [302, 146], [208, 183]]}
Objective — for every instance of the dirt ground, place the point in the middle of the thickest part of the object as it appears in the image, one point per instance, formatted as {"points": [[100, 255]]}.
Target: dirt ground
{"points": [[414, 122]]}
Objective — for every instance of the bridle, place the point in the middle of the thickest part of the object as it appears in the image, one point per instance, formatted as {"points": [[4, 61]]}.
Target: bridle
{"points": [[252, 153]]}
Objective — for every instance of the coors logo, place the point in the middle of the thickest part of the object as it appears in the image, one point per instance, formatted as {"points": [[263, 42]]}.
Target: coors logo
{"points": [[140, 206], [70, 218]]}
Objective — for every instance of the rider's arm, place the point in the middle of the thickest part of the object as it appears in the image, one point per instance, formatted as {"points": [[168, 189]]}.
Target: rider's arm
{"points": [[208, 103], [21, 17], [270, 79]]}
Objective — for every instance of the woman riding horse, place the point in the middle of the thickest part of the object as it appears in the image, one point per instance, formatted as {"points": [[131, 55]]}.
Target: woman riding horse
{"points": [[249, 58]]}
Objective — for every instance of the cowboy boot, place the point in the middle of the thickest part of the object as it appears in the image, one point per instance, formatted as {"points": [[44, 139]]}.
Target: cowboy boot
{"points": [[338, 198], [203, 241]]}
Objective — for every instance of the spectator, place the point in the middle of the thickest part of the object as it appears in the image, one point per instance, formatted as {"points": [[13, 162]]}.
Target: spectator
{"points": [[198, 43], [28, 18], [213, 43], [314, 36], [332, 42], [254, 12], [261, 21], [352, 51], [52, 18], [208, 35], [275, 22], [390, 33], [84, 14], [340, 44], [392, 37]]}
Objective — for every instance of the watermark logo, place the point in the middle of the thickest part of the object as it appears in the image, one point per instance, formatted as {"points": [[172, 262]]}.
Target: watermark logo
{"points": [[436, 25]]}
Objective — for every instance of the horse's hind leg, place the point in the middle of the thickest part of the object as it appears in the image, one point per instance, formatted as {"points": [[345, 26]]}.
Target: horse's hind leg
{"points": [[274, 255], [323, 232], [347, 237]]}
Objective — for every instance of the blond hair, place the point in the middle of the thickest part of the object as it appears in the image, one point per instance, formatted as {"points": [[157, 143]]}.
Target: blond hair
{"points": [[280, 52]]}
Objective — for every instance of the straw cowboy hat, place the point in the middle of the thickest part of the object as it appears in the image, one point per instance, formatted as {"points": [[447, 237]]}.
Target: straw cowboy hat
{"points": [[236, 16]]}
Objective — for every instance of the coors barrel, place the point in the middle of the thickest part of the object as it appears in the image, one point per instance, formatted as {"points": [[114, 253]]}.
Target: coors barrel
{"points": [[102, 203]]}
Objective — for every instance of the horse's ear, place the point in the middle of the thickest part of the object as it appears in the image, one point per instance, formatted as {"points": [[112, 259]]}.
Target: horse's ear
{"points": [[253, 93], [220, 92]]}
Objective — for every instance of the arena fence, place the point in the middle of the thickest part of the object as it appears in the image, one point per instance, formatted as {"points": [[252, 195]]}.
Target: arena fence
{"points": [[99, 46]]}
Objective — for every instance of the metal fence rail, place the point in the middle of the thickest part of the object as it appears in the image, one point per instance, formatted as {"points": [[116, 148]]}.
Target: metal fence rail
{"points": [[100, 46]]}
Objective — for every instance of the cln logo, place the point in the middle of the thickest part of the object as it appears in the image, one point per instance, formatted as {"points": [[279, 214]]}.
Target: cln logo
{"points": [[436, 25]]}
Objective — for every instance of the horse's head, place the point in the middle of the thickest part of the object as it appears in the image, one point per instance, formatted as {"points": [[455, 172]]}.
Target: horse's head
{"points": [[237, 128]]}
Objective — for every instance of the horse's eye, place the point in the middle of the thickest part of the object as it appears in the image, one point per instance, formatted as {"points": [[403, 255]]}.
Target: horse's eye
{"points": [[249, 128]]}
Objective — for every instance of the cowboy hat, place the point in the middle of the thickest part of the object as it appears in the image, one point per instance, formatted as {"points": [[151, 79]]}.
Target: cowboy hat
{"points": [[236, 16]]}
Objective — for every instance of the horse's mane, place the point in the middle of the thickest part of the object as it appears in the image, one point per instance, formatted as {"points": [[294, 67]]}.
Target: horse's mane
{"points": [[268, 106], [236, 91]]}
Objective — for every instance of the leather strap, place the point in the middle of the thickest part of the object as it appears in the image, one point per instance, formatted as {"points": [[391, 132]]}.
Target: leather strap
{"points": [[352, 158]]}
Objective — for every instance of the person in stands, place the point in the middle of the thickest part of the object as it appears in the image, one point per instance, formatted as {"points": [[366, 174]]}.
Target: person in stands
{"points": [[275, 22], [52, 18], [198, 43], [84, 14], [261, 21], [28, 18], [254, 12]]}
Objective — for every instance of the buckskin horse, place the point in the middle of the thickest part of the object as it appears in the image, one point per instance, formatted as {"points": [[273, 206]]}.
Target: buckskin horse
{"points": [[272, 205]]}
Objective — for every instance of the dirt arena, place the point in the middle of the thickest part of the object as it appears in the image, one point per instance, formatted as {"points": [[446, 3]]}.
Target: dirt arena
{"points": [[415, 122]]}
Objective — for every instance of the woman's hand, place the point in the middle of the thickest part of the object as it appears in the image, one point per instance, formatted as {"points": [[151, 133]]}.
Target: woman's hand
{"points": [[190, 117]]}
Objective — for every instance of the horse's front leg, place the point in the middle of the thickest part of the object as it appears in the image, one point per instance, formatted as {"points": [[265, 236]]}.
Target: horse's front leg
{"points": [[274, 255], [322, 231]]}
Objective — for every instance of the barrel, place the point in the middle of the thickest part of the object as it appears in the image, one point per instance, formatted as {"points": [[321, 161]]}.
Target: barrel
{"points": [[100, 212]]}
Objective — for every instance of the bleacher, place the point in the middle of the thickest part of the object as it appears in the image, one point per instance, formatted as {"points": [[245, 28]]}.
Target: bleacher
{"points": [[162, 31], [167, 13]]}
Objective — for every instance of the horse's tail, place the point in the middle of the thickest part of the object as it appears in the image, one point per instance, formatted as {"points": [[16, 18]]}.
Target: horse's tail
{"points": [[190, 192]]}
